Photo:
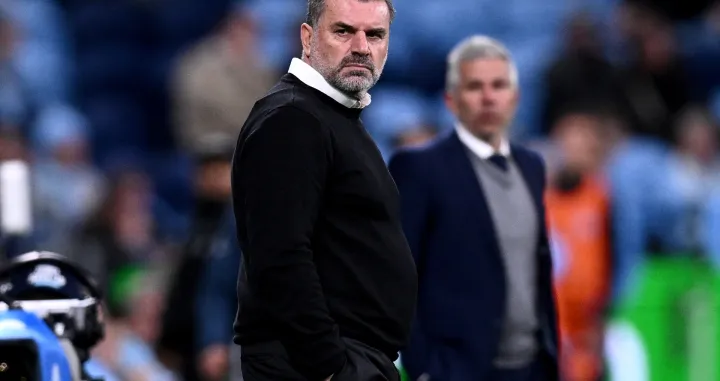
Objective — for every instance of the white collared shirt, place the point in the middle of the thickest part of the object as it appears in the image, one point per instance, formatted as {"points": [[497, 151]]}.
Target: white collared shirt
{"points": [[481, 148], [311, 77]]}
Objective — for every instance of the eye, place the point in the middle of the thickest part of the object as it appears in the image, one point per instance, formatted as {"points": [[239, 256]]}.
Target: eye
{"points": [[501, 84], [341, 32], [473, 85]]}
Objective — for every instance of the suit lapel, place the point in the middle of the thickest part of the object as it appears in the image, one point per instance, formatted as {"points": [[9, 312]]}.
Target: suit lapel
{"points": [[469, 188], [530, 174]]}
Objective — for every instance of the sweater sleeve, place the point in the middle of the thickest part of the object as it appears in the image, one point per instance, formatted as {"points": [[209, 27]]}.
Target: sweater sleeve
{"points": [[279, 176]]}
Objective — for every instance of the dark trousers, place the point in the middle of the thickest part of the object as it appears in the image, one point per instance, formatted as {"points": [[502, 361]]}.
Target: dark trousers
{"points": [[269, 362]]}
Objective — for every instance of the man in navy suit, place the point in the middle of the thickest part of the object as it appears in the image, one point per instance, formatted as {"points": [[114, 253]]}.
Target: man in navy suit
{"points": [[473, 214]]}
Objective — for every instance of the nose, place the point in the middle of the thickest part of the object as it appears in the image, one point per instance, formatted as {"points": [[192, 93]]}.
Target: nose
{"points": [[489, 96], [360, 44]]}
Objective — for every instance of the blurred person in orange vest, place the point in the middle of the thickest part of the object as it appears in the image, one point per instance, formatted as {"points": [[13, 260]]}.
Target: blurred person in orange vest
{"points": [[578, 214]]}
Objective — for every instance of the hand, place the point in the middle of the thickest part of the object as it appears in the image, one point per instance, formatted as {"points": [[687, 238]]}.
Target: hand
{"points": [[214, 361]]}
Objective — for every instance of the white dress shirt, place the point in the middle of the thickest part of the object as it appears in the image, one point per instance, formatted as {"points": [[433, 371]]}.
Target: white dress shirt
{"points": [[311, 77], [481, 148]]}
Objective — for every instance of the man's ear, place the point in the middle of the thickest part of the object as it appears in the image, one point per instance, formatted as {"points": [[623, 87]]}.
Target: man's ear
{"points": [[449, 98], [306, 34]]}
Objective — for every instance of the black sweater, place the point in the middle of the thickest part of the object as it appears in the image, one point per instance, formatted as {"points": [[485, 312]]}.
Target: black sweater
{"points": [[319, 225]]}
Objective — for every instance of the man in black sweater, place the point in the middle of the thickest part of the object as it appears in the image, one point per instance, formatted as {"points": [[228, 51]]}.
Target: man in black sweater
{"points": [[330, 285]]}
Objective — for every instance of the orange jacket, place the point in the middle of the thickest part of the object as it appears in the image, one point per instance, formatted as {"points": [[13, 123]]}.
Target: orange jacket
{"points": [[579, 227]]}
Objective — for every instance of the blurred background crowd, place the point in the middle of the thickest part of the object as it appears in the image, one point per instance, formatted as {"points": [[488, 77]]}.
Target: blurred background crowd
{"points": [[128, 111]]}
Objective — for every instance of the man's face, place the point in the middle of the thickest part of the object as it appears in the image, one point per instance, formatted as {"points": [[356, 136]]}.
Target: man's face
{"points": [[485, 98], [577, 136], [349, 44]]}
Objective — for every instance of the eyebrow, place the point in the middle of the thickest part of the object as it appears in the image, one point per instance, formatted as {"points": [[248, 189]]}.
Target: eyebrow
{"points": [[493, 81], [350, 28]]}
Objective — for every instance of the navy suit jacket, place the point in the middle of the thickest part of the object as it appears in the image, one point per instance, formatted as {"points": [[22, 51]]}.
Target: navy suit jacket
{"points": [[462, 287]]}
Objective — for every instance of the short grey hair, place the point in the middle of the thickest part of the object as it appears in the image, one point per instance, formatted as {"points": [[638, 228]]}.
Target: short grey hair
{"points": [[315, 9], [472, 48]]}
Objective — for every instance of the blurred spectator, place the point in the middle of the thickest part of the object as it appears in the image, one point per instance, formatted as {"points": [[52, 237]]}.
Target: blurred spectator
{"points": [[97, 369], [42, 49], [634, 175], [67, 187], [578, 210], [711, 231], [582, 76], [693, 175], [217, 82], [655, 80], [132, 326], [212, 185], [217, 304], [675, 10], [120, 230], [15, 104], [661, 195]]}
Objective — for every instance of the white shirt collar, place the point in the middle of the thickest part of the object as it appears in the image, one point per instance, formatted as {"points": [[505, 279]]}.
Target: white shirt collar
{"points": [[308, 75], [478, 147]]}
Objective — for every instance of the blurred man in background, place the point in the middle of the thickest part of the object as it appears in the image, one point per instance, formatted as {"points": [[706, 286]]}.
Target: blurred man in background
{"points": [[582, 74], [216, 306], [68, 188], [216, 83], [655, 80], [218, 80], [212, 187], [473, 213], [692, 175]]}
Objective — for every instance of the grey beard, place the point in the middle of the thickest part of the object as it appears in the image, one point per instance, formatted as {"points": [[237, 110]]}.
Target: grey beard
{"points": [[354, 87]]}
